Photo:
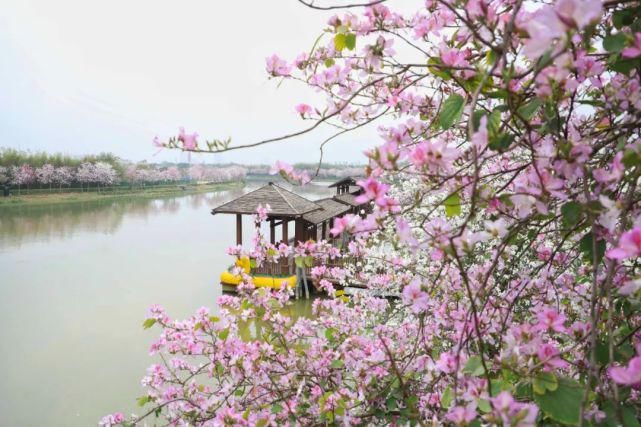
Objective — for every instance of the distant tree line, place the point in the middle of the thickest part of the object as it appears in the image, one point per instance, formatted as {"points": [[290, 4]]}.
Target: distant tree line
{"points": [[27, 170]]}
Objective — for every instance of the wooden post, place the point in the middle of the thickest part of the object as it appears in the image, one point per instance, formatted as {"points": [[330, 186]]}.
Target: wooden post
{"points": [[324, 228], [239, 229], [285, 232], [299, 233], [272, 232]]}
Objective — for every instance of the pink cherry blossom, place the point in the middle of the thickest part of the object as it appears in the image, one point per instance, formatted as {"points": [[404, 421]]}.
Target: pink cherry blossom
{"points": [[629, 245], [189, 141], [453, 57], [414, 296], [303, 109], [112, 420], [628, 375], [550, 320], [373, 190], [277, 66], [263, 211], [550, 357], [634, 50], [462, 415]]}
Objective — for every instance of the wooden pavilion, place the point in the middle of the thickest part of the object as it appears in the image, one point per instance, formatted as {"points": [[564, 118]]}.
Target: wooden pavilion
{"points": [[312, 219], [346, 185], [285, 207]]}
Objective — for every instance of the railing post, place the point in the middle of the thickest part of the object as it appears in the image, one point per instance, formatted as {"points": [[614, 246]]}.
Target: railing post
{"points": [[239, 229], [272, 232], [285, 225]]}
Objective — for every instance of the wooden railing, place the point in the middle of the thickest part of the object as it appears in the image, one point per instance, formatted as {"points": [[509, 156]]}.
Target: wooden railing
{"points": [[285, 266], [282, 267]]}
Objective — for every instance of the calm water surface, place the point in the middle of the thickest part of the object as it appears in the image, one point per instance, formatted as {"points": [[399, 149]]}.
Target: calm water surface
{"points": [[75, 284]]}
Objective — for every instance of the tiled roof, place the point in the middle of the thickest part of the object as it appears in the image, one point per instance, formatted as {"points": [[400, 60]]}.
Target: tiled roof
{"points": [[281, 201], [330, 209]]}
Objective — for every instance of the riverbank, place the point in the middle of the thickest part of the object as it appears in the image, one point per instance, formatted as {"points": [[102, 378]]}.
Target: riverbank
{"points": [[81, 197]]}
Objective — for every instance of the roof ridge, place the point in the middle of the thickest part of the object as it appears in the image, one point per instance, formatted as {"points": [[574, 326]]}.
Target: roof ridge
{"points": [[278, 188], [242, 195], [287, 194]]}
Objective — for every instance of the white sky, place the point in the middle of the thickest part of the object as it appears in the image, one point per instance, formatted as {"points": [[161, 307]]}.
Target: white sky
{"points": [[84, 76]]}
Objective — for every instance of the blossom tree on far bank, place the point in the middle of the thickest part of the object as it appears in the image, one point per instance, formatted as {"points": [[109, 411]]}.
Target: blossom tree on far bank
{"points": [[505, 215]]}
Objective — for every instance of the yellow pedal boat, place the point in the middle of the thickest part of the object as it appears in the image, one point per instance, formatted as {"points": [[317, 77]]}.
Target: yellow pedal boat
{"points": [[260, 280]]}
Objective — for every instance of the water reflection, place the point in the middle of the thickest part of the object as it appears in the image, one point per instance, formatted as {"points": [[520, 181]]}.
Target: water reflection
{"points": [[19, 225]]}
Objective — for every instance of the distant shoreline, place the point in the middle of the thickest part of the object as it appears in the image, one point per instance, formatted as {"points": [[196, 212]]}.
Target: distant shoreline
{"points": [[55, 197]]}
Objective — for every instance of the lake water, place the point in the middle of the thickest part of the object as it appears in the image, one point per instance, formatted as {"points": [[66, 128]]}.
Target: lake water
{"points": [[76, 281]]}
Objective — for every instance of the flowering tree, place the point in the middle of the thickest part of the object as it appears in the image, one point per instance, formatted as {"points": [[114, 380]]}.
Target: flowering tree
{"points": [[23, 175], [172, 174], [105, 174], [197, 172], [505, 215], [45, 175], [86, 174], [63, 175], [4, 175]]}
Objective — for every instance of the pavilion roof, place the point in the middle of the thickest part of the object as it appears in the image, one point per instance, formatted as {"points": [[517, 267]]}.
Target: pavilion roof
{"points": [[351, 180], [283, 203], [347, 199], [330, 209]]}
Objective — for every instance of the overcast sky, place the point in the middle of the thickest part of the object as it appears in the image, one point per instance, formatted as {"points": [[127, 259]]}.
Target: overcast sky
{"points": [[84, 76]]}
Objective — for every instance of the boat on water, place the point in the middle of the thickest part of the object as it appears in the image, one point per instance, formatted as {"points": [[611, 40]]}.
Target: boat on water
{"points": [[229, 280]]}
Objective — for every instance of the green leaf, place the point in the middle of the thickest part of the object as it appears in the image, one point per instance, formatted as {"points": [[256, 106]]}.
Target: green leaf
{"points": [[329, 62], [602, 352], [622, 18], [586, 246], [329, 334], [628, 414], [501, 142], [340, 42], [571, 213], [148, 323], [391, 403], [277, 408], [300, 261], [447, 397], [493, 121], [563, 404], [142, 401], [337, 364], [451, 111], [474, 366], [528, 110], [437, 71], [308, 261], [543, 382], [224, 334], [631, 159], [614, 43], [484, 405], [623, 66], [452, 205], [350, 41]]}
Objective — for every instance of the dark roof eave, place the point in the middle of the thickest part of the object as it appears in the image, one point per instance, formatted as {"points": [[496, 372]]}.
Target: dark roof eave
{"points": [[275, 215]]}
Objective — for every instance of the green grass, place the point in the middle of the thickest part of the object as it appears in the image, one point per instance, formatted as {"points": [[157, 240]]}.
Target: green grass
{"points": [[75, 197]]}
